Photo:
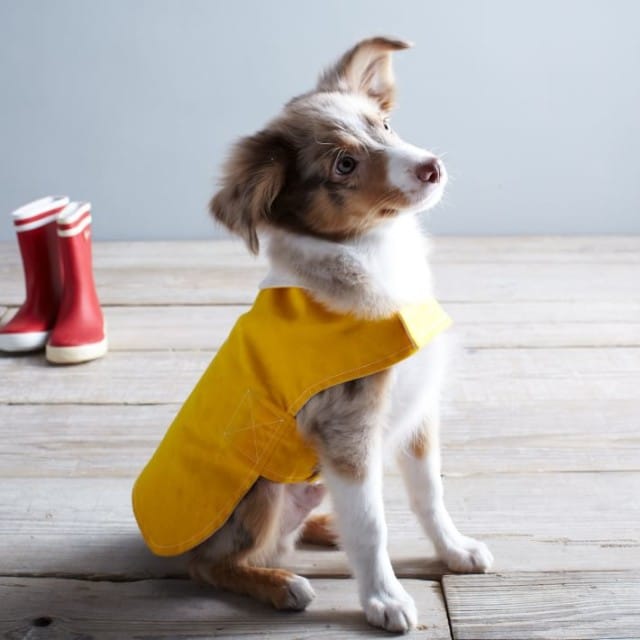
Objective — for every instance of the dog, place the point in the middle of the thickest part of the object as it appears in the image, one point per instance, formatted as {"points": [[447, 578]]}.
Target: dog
{"points": [[335, 194]]}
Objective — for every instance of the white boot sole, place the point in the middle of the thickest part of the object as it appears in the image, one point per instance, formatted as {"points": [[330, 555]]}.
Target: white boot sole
{"points": [[23, 342], [75, 355]]}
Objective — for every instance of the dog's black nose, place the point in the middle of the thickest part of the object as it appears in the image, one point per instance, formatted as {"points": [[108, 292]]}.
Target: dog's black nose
{"points": [[429, 171]]}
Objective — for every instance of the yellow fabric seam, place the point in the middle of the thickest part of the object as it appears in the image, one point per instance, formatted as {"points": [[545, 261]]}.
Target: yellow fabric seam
{"points": [[299, 402]]}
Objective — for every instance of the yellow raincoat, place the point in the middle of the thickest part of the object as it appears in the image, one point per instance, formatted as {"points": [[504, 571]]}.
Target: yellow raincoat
{"points": [[239, 421]]}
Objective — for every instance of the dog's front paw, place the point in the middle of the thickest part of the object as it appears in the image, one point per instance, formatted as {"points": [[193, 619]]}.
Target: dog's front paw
{"points": [[393, 611], [467, 556], [296, 595]]}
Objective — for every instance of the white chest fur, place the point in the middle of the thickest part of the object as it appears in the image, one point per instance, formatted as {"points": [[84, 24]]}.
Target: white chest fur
{"points": [[416, 390], [397, 261], [395, 257]]}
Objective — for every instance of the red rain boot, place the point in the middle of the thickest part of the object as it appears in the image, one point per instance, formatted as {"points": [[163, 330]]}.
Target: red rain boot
{"points": [[35, 225], [79, 334]]}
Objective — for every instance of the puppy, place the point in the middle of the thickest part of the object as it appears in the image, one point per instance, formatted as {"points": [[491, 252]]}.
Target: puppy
{"points": [[335, 193]]}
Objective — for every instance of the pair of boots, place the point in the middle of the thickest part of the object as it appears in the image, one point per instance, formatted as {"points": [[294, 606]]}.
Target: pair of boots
{"points": [[61, 311]]}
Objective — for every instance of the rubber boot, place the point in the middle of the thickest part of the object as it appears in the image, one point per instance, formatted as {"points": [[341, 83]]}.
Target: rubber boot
{"points": [[35, 225], [79, 334]]}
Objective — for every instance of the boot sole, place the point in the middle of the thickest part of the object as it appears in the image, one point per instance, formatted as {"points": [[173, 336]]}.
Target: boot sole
{"points": [[23, 342], [75, 355]]}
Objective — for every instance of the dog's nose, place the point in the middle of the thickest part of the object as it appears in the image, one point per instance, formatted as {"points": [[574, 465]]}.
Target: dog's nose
{"points": [[429, 171]]}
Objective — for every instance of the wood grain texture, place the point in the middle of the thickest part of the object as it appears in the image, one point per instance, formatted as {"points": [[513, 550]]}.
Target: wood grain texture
{"points": [[470, 282], [79, 441], [475, 249], [532, 522], [495, 377], [599, 434], [561, 606], [534, 324], [479, 270], [480, 325], [181, 610]]}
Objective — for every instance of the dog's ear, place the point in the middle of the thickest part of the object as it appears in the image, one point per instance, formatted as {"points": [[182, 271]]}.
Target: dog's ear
{"points": [[366, 68], [252, 177]]}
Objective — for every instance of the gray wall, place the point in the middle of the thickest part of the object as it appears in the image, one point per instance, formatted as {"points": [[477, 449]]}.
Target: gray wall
{"points": [[132, 104]]}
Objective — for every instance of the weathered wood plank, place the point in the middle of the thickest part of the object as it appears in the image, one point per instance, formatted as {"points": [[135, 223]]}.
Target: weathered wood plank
{"points": [[179, 610], [538, 324], [532, 522], [230, 280], [555, 324], [52, 441], [492, 376], [215, 252], [597, 434], [532, 324], [556, 606], [454, 283], [159, 286], [451, 248], [534, 249]]}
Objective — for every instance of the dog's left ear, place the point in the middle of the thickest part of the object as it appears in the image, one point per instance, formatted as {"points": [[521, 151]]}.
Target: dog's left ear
{"points": [[366, 68], [252, 177]]}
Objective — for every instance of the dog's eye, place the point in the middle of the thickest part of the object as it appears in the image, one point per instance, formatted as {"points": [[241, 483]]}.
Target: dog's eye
{"points": [[386, 125], [345, 165]]}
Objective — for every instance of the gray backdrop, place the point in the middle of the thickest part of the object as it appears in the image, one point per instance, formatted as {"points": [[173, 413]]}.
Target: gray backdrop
{"points": [[132, 104]]}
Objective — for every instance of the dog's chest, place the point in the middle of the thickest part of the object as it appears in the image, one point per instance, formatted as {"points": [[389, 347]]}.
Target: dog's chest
{"points": [[415, 391], [401, 269], [396, 262]]}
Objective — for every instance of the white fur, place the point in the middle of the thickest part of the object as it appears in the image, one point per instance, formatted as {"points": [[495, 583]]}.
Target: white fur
{"points": [[364, 537], [299, 594], [351, 112], [403, 160], [347, 111], [393, 254], [424, 486]]}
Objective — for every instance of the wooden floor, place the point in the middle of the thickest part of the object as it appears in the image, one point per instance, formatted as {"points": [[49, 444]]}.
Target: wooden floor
{"points": [[541, 437]]}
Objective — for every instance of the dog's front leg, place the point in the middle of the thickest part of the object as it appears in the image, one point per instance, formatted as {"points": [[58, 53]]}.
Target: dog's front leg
{"points": [[363, 535], [420, 466], [346, 423]]}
